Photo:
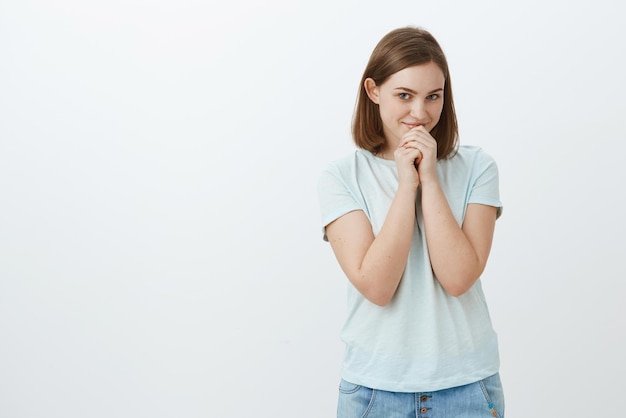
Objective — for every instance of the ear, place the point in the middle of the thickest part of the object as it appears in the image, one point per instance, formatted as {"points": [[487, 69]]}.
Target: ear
{"points": [[372, 90]]}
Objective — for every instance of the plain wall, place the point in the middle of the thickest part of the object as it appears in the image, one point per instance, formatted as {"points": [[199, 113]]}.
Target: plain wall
{"points": [[160, 241]]}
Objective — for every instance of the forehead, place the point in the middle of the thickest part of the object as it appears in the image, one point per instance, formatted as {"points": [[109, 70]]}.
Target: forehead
{"points": [[418, 77]]}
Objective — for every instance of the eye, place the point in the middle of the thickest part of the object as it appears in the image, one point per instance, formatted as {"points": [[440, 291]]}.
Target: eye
{"points": [[433, 96], [404, 96]]}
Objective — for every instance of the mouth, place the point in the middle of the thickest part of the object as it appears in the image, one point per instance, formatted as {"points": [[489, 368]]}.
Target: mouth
{"points": [[412, 125]]}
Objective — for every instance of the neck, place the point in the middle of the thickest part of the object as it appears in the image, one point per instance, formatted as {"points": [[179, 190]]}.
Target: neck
{"points": [[385, 156], [386, 153]]}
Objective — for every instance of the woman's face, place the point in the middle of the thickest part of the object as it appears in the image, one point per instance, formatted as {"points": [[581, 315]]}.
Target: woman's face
{"points": [[409, 98]]}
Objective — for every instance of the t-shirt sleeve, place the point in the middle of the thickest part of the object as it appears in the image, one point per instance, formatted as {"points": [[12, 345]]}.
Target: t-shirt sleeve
{"points": [[335, 197], [486, 187]]}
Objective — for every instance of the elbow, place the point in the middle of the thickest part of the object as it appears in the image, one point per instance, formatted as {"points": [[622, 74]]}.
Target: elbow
{"points": [[380, 300], [457, 283], [460, 285], [380, 297], [457, 291], [379, 291]]}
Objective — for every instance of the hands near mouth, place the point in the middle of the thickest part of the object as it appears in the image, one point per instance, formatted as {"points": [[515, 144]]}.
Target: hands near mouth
{"points": [[416, 157]]}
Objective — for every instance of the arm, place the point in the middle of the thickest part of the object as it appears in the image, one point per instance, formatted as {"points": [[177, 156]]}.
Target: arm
{"points": [[458, 255], [375, 265]]}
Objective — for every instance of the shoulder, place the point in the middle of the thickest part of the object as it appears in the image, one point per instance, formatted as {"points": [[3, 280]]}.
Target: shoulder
{"points": [[471, 156], [345, 164], [472, 152], [343, 161], [335, 172]]}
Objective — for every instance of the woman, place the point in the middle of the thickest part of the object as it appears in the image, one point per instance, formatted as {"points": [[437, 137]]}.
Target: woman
{"points": [[410, 216]]}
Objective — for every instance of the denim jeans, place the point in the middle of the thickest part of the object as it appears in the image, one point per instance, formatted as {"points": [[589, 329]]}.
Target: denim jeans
{"points": [[482, 399]]}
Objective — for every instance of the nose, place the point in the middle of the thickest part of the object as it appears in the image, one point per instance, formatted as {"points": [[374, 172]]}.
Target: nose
{"points": [[418, 110]]}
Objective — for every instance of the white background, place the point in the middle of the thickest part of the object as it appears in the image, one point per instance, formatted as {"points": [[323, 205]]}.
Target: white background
{"points": [[160, 246]]}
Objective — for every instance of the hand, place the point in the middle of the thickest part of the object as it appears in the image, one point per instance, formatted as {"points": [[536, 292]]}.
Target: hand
{"points": [[419, 139], [406, 162]]}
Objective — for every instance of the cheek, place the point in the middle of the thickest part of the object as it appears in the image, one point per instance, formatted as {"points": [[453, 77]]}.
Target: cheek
{"points": [[392, 109], [386, 110], [436, 111]]}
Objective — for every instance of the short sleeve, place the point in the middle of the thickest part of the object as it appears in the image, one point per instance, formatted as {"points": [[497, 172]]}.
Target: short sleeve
{"points": [[486, 185], [335, 198]]}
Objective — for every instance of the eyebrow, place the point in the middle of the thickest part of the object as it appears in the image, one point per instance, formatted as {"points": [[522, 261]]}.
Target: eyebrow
{"points": [[414, 92]]}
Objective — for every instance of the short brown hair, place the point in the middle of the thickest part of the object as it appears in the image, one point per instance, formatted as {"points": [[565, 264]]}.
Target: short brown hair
{"points": [[399, 49]]}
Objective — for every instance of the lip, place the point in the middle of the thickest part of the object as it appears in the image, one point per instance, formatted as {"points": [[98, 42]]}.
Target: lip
{"points": [[412, 125]]}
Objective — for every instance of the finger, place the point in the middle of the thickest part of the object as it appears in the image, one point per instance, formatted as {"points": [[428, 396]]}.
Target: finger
{"points": [[408, 150], [413, 147], [416, 137], [423, 144], [418, 132], [409, 154], [410, 142]]}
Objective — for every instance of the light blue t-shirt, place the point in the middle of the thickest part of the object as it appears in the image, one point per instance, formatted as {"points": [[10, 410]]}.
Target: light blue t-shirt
{"points": [[424, 339]]}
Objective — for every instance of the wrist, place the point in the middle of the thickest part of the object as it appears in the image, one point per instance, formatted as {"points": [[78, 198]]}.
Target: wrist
{"points": [[429, 182], [407, 188]]}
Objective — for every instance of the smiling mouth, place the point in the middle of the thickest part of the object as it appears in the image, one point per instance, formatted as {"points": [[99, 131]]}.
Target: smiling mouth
{"points": [[412, 125]]}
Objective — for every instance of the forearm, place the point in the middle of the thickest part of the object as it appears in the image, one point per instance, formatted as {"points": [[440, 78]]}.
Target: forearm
{"points": [[385, 260], [454, 260]]}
